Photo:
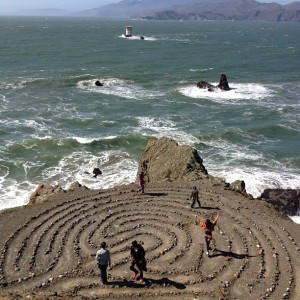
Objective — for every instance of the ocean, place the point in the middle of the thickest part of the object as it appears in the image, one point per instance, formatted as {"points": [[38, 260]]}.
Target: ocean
{"points": [[56, 125]]}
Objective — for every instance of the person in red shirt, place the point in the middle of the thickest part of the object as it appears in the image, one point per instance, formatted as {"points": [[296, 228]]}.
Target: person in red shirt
{"points": [[141, 182], [208, 226]]}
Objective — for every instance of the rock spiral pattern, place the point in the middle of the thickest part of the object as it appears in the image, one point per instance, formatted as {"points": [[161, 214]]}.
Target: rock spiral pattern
{"points": [[53, 252]]}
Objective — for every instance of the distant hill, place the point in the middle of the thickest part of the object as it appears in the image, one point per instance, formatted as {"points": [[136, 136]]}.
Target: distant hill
{"points": [[128, 9], [240, 10]]}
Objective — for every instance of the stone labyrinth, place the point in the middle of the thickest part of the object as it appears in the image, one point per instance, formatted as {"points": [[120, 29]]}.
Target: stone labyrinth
{"points": [[54, 251]]}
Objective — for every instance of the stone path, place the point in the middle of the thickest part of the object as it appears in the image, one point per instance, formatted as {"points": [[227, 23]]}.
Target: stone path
{"points": [[52, 253]]}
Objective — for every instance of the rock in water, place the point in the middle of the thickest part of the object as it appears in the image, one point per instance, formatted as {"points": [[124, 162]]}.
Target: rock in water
{"points": [[223, 84]]}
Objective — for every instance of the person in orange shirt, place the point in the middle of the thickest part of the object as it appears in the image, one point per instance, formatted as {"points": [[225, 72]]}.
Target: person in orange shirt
{"points": [[208, 226]]}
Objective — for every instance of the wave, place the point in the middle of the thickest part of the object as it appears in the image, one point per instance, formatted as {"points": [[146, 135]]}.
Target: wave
{"points": [[201, 70], [82, 140], [239, 92], [118, 87], [38, 125], [157, 127], [296, 219], [18, 83], [138, 37], [258, 179], [118, 168]]}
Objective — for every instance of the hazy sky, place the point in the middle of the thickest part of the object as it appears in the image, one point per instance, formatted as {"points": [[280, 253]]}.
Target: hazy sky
{"points": [[15, 6]]}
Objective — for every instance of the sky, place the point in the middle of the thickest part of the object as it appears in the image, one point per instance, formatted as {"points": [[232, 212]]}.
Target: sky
{"points": [[16, 6]]}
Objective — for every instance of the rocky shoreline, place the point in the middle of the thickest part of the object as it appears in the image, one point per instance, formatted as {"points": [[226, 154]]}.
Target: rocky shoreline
{"points": [[47, 248]]}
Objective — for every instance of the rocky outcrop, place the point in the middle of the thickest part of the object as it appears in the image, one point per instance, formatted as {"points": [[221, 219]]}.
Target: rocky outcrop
{"points": [[223, 84], [97, 172], [286, 201], [206, 85], [166, 160], [238, 186], [43, 191]]}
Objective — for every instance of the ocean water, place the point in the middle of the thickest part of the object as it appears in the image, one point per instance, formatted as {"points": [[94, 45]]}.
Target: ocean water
{"points": [[56, 125]]}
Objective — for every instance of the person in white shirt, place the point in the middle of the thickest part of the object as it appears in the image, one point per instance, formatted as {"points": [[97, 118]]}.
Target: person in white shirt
{"points": [[103, 261]]}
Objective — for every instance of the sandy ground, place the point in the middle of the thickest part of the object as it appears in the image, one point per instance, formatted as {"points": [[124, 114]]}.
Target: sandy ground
{"points": [[47, 251]]}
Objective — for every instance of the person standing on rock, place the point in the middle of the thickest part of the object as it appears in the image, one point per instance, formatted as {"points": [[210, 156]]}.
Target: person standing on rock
{"points": [[195, 196], [103, 261], [141, 182], [208, 226], [137, 254]]}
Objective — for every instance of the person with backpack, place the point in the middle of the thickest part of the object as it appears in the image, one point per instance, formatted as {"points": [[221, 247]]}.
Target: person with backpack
{"points": [[103, 261], [137, 254], [208, 226], [195, 196]]}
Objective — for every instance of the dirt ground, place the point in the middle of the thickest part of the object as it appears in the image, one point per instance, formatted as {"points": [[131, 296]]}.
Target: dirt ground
{"points": [[47, 251]]}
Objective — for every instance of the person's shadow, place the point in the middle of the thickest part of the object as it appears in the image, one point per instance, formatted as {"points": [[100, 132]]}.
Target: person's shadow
{"points": [[217, 253], [156, 194], [163, 282], [208, 207]]}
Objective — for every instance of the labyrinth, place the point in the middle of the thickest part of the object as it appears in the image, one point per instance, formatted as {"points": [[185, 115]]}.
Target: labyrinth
{"points": [[50, 252]]}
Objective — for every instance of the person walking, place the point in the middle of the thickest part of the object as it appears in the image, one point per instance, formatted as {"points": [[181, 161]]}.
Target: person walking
{"points": [[208, 226], [141, 182], [195, 196], [103, 261], [137, 254]]}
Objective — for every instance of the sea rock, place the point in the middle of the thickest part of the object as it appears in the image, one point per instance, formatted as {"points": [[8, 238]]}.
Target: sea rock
{"points": [[43, 191], [97, 172], [286, 201], [165, 160], [76, 185], [223, 84], [98, 83], [206, 85], [238, 186]]}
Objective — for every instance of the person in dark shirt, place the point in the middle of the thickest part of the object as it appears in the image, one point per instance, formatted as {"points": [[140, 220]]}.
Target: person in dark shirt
{"points": [[195, 196], [137, 254]]}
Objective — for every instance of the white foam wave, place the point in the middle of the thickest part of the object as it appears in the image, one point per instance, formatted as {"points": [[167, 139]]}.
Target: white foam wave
{"points": [[138, 37], [39, 124], [238, 92], [117, 167], [82, 140], [201, 70], [257, 180], [118, 87], [17, 84], [12, 193], [164, 128], [296, 219]]}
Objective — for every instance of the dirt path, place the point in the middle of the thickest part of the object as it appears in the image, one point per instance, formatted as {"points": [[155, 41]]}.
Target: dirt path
{"points": [[47, 251]]}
